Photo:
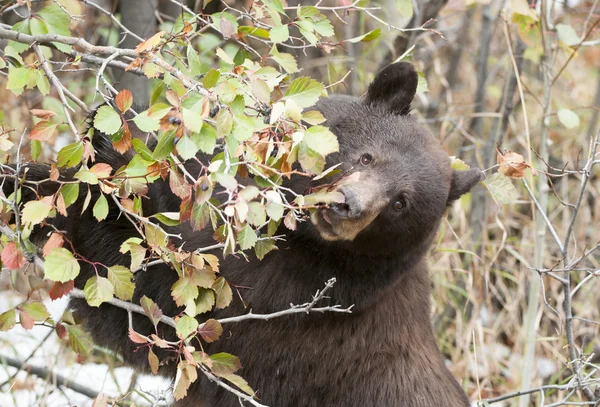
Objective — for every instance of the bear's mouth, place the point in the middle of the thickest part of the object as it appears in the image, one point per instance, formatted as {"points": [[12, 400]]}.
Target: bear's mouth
{"points": [[324, 220]]}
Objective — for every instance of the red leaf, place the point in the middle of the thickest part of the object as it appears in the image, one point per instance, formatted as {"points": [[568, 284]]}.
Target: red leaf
{"points": [[211, 330], [61, 289], [26, 321], [178, 185], [124, 100], [42, 114], [12, 257], [61, 331], [55, 241], [136, 337]]}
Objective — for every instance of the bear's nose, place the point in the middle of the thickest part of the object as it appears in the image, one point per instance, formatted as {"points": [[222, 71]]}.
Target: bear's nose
{"points": [[350, 208]]}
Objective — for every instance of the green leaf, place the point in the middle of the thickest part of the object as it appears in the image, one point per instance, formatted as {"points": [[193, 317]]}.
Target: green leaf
{"points": [[98, 290], [422, 84], [211, 78], [60, 265], [223, 293], [120, 277], [56, 19], [147, 123], [168, 218], [205, 300], [165, 145], [100, 210], [8, 320], [501, 189], [17, 79], [224, 364], [239, 382], [279, 33], [86, 176], [36, 149], [107, 120], [568, 118], [185, 326], [286, 61], [321, 140], [567, 35], [370, 36], [36, 310], [194, 61], [34, 212], [70, 155], [151, 309], [79, 340], [304, 91], [247, 237], [263, 247], [70, 193]]}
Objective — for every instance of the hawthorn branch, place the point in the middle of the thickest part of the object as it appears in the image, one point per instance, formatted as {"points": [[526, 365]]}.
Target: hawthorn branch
{"points": [[47, 374]]}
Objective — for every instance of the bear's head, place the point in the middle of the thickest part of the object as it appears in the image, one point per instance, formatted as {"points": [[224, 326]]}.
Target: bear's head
{"points": [[397, 181]]}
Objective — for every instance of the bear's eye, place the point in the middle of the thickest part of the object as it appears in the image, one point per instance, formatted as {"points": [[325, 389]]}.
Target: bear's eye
{"points": [[366, 159], [400, 204]]}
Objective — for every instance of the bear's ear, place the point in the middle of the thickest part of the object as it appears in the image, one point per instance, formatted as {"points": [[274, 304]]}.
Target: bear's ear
{"points": [[462, 182], [394, 87]]}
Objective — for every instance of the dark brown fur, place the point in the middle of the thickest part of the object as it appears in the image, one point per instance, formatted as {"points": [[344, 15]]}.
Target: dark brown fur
{"points": [[384, 354]]}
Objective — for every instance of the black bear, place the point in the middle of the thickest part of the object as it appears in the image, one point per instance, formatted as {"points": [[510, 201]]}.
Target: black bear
{"points": [[397, 188]]}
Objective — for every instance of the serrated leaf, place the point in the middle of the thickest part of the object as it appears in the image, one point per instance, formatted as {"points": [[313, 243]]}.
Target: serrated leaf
{"points": [[225, 364], [304, 91], [70, 193], [239, 382], [151, 309], [147, 123], [313, 117], [100, 210], [211, 78], [60, 265], [107, 120], [70, 155], [8, 320], [210, 330], [120, 277], [17, 79], [279, 33], [321, 140], [59, 289], [79, 340], [165, 145], [36, 310], [263, 247], [43, 131], [223, 293], [86, 176], [34, 212], [12, 257], [286, 61], [185, 326], [501, 189], [98, 290], [247, 237], [124, 100]]}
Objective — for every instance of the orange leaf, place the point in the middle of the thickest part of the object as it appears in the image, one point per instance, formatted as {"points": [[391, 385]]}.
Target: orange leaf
{"points": [[136, 337], [512, 164], [101, 170], [150, 43], [125, 143], [54, 242], [135, 64], [12, 257], [43, 131], [124, 100], [42, 114]]}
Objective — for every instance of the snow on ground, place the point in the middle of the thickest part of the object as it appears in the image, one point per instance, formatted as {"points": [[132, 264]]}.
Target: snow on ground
{"points": [[29, 391]]}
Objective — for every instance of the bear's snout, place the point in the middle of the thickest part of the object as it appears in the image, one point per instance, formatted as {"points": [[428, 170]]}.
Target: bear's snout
{"points": [[351, 208]]}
